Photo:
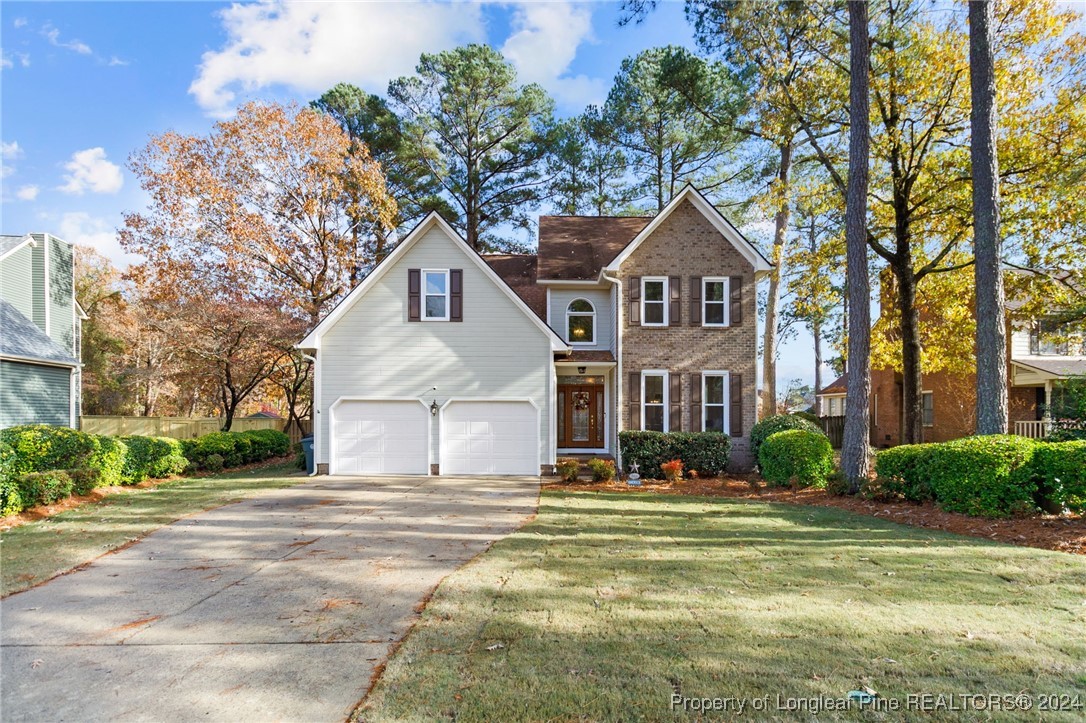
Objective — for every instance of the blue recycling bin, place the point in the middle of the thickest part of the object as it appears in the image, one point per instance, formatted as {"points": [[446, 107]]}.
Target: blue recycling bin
{"points": [[307, 450]]}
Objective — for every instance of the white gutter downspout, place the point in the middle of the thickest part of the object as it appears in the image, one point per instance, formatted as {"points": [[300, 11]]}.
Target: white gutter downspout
{"points": [[619, 378], [316, 407]]}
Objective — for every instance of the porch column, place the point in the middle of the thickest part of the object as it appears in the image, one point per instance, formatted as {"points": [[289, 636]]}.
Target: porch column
{"points": [[1047, 416]]}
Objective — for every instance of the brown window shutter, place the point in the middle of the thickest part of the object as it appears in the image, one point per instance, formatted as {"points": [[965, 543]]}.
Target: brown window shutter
{"points": [[633, 397], [634, 292], [735, 308], [675, 402], [695, 402], [414, 294], [675, 285], [735, 397], [695, 301], [456, 294]]}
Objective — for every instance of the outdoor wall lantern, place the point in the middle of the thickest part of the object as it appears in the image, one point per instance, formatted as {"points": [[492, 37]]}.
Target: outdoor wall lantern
{"points": [[433, 408], [582, 370]]}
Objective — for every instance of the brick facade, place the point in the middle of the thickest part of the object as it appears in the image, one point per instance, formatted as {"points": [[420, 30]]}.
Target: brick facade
{"points": [[686, 244]]}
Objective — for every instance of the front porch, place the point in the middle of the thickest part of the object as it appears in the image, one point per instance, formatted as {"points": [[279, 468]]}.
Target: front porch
{"points": [[1042, 376], [585, 419]]}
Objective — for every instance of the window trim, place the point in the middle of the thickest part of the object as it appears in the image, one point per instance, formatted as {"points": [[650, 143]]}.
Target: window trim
{"points": [[423, 316], [927, 393], [725, 405], [725, 302], [665, 301], [591, 314], [663, 374]]}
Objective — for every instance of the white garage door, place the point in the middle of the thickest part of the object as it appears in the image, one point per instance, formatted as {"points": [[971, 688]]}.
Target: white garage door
{"points": [[485, 438], [380, 437]]}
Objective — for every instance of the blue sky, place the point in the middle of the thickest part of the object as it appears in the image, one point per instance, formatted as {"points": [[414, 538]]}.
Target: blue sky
{"points": [[86, 84]]}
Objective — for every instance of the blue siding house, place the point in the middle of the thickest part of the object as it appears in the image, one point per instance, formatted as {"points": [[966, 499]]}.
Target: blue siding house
{"points": [[39, 332]]}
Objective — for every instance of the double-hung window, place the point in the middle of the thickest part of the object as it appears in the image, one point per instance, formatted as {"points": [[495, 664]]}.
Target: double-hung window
{"points": [[714, 300], [654, 401], [714, 405], [435, 286], [654, 301], [928, 408]]}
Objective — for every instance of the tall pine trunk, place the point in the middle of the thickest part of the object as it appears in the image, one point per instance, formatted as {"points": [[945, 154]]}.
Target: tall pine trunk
{"points": [[856, 448], [987, 244], [912, 430], [780, 236]]}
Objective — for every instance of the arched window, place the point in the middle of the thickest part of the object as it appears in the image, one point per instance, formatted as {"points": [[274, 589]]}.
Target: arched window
{"points": [[581, 322]]}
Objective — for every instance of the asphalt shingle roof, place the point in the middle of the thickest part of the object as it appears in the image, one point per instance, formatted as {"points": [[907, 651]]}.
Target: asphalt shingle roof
{"points": [[20, 337]]}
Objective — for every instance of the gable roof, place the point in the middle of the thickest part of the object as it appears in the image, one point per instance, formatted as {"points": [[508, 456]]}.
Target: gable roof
{"points": [[21, 339], [837, 386], [577, 247], [9, 244], [312, 339], [748, 250], [519, 272]]}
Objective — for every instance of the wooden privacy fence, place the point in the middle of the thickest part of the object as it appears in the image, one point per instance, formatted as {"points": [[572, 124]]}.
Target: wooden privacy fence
{"points": [[183, 427], [834, 427]]}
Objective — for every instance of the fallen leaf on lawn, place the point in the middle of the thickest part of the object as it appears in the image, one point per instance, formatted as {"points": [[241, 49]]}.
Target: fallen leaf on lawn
{"points": [[495, 646]]}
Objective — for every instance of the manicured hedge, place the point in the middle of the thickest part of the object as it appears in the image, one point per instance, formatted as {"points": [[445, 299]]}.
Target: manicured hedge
{"points": [[236, 448], [156, 457], [798, 455], [1059, 468], [41, 448], [988, 476], [704, 452], [761, 431]]}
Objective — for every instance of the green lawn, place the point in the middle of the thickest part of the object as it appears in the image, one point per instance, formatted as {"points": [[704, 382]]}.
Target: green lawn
{"points": [[39, 550], [607, 604]]}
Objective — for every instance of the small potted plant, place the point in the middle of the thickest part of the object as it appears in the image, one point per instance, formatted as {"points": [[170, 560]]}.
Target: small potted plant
{"points": [[673, 470]]}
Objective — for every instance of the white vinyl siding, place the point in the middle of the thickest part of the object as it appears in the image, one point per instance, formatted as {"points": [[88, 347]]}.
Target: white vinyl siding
{"points": [[497, 352]]}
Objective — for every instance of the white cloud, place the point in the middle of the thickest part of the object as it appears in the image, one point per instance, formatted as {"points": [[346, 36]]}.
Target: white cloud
{"points": [[19, 22], [27, 193], [81, 228], [90, 170], [115, 61], [53, 36], [544, 42], [9, 152], [309, 47]]}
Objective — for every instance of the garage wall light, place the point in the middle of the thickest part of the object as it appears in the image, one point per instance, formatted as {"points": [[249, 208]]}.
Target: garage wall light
{"points": [[433, 408]]}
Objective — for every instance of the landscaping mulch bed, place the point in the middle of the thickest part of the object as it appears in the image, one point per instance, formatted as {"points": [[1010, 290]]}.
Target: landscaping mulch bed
{"points": [[1063, 533]]}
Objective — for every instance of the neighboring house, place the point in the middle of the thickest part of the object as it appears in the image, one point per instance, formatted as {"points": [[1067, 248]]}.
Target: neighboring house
{"points": [[1041, 356], [40, 327], [446, 361]]}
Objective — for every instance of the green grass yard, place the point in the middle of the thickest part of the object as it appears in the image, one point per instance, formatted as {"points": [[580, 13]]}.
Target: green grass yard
{"points": [[607, 604], [37, 551]]}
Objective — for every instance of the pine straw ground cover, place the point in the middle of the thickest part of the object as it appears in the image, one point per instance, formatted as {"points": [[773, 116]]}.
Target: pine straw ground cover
{"points": [[609, 603], [1066, 533], [44, 542]]}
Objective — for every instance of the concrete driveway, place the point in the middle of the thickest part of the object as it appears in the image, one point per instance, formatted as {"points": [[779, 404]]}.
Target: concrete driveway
{"points": [[273, 609]]}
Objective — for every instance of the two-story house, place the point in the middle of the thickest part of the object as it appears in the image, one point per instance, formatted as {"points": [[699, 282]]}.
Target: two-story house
{"points": [[444, 361], [40, 327], [1041, 355]]}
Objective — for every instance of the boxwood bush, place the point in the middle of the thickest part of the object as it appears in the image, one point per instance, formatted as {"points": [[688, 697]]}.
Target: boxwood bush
{"points": [[989, 476], [41, 448], [155, 457], [44, 488], [1059, 469], [798, 455], [900, 473], [236, 448], [761, 431], [705, 452]]}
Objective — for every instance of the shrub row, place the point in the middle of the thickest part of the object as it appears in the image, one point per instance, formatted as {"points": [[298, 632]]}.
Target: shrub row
{"points": [[703, 452], [40, 464], [234, 448], [796, 456], [989, 476]]}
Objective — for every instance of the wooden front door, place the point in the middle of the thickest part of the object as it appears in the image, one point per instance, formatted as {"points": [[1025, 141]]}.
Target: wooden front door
{"points": [[580, 416]]}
